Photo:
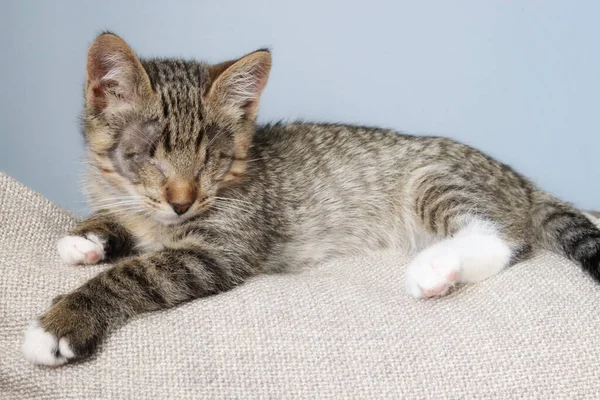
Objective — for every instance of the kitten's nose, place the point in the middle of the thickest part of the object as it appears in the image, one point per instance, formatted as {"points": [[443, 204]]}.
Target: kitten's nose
{"points": [[180, 194], [180, 208]]}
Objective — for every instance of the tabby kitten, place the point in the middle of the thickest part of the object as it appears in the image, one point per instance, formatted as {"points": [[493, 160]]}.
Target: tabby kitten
{"points": [[191, 198]]}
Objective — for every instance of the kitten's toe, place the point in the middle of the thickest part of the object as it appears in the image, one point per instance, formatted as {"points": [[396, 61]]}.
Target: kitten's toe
{"points": [[43, 348], [81, 250], [432, 273]]}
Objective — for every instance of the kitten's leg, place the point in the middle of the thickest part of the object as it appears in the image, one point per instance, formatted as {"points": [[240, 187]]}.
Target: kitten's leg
{"points": [[75, 325], [95, 239], [473, 254]]}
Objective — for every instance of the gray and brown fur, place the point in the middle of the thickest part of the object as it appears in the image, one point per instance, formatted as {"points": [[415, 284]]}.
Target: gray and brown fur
{"points": [[266, 198]]}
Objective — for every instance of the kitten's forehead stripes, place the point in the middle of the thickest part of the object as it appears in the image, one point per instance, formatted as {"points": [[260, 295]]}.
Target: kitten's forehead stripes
{"points": [[165, 72], [179, 85]]}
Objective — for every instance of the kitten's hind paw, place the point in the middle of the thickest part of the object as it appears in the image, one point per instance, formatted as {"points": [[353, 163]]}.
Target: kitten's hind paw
{"points": [[81, 250], [433, 272]]}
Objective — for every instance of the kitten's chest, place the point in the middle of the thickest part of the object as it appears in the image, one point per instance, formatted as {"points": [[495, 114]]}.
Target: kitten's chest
{"points": [[149, 236]]}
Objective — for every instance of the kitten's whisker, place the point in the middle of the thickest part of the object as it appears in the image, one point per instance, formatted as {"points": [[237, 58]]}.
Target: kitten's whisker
{"points": [[214, 138], [120, 211], [228, 202], [131, 201], [124, 197], [227, 207], [120, 204], [220, 207], [258, 159], [119, 207], [147, 139], [233, 200], [224, 206], [116, 199]]}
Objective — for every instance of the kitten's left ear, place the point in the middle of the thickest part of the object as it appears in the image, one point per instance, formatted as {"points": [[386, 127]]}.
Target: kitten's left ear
{"points": [[237, 85]]}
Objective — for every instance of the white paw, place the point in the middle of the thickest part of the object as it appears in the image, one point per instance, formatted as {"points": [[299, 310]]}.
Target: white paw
{"points": [[43, 348], [81, 250], [433, 272]]}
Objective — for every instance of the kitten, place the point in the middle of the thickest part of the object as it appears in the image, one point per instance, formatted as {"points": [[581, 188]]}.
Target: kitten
{"points": [[191, 198]]}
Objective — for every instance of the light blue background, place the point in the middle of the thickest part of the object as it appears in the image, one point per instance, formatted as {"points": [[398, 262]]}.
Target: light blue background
{"points": [[517, 79]]}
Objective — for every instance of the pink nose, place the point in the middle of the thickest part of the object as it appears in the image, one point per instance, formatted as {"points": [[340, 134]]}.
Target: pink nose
{"points": [[180, 194], [180, 208]]}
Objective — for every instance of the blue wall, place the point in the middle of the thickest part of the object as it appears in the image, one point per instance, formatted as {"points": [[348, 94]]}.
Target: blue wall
{"points": [[517, 79]]}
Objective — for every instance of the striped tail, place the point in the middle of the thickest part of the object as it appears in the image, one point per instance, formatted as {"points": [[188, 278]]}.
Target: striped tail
{"points": [[562, 229]]}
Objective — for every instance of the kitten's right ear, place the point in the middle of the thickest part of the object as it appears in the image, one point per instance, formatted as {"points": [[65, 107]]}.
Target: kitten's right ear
{"points": [[116, 78]]}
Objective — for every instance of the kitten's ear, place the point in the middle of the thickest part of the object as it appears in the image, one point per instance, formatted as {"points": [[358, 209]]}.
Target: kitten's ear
{"points": [[237, 85], [116, 78]]}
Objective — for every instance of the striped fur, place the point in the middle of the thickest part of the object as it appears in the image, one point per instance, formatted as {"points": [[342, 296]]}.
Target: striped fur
{"points": [[265, 198]]}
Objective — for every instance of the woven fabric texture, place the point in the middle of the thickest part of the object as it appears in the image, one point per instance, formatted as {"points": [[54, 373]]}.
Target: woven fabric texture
{"points": [[342, 330]]}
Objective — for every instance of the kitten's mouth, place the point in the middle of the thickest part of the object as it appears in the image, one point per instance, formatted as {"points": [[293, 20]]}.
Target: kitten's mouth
{"points": [[172, 218]]}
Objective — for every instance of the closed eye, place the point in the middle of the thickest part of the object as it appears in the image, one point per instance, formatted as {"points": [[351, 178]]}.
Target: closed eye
{"points": [[160, 167]]}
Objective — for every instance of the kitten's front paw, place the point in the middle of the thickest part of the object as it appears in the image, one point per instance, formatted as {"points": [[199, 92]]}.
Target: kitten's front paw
{"points": [[71, 328], [43, 348], [81, 250], [433, 272]]}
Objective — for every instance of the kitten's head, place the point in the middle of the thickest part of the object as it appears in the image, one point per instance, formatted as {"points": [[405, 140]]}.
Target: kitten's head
{"points": [[165, 136]]}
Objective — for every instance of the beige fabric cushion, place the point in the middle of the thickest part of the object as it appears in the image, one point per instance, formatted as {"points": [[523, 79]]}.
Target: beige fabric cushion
{"points": [[342, 330]]}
